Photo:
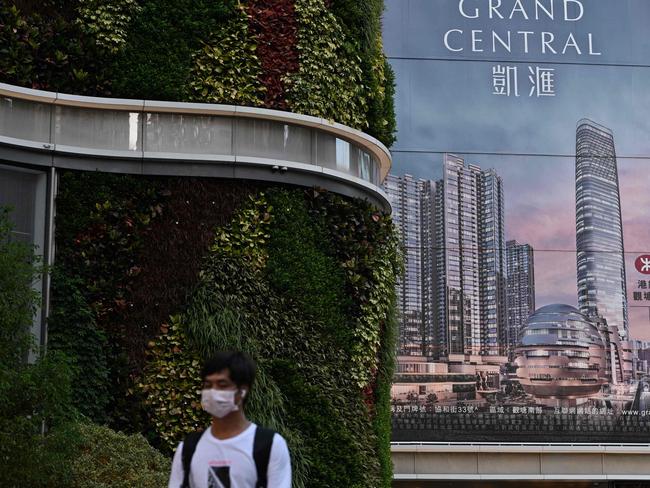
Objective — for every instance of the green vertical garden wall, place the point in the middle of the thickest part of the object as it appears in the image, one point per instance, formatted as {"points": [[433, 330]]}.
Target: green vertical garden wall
{"points": [[153, 274]]}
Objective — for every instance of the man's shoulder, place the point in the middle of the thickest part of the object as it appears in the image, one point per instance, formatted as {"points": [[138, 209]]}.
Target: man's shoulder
{"points": [[280, 447], [271, 434]]}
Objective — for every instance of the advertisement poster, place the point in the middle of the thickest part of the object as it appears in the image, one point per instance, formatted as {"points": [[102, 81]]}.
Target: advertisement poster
{"points": [[520, 190]]}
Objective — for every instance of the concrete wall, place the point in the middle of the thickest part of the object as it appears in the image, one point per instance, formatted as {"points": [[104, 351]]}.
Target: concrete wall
{"points": [[419, 462]]}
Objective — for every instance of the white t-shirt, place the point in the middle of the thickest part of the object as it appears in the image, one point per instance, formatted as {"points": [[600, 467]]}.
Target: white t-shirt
{"points": [[229, 463]]}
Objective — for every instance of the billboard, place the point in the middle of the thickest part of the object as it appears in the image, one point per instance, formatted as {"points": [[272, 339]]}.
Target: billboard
{"points": [[520, 190]]}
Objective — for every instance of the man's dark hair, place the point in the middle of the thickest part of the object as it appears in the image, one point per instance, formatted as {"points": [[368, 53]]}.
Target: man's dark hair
{"points": [[241, 367]]}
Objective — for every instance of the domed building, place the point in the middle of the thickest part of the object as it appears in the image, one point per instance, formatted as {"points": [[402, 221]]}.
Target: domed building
{"points": [[561, 354]]}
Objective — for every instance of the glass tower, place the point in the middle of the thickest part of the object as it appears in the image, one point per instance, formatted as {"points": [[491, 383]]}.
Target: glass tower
{"points": [[599, 229], [520, 294]]}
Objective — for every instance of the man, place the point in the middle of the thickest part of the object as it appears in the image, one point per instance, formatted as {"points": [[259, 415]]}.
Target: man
{"points": [[233, 452]]}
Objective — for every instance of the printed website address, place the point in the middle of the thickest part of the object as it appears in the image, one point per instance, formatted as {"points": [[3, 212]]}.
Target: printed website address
{"points": [[641, 413]]}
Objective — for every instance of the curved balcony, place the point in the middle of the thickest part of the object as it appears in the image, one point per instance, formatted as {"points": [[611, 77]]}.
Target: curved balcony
{"points": [[41, 128]]}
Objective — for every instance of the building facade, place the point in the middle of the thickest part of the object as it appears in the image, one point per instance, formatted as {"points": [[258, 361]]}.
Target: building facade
{"points": [[470, 260], [599, 229], [520, 293], [412, 201], [428, 275], [562, 356], [492, 263]]}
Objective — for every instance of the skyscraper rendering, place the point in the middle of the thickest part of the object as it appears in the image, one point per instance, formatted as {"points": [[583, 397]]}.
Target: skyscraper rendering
{"points": [[599, 229], [520, 294], [452, 297], [412, 202], [427, 279], [470, 260]]}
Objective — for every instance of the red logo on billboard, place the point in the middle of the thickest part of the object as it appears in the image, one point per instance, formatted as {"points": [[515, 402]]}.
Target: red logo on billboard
{"points": [[642, 264]]}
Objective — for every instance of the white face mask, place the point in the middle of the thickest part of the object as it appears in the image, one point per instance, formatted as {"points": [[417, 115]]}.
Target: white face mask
{"points": [[219, 403]]}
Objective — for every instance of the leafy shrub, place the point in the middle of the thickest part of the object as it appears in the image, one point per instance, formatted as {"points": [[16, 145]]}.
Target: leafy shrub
{"points": [[81, 455], [32, 396], [109, 459], [29, 459], [17, 297]]}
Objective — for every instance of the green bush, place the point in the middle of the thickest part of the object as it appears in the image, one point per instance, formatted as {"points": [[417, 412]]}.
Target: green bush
{"points": [[109, 459], [18, 300], [29, 459], [32, 396], [81, 455]]}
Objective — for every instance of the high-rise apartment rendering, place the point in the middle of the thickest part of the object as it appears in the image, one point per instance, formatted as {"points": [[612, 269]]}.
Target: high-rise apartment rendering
{"points": [[470, 282], [412, 202], [520, 294], [427, 236], [599, 229], [452, 298]]}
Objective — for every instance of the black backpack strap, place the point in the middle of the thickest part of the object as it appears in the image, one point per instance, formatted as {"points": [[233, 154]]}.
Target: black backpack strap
{"points": [[189, 446], [262, 453]]}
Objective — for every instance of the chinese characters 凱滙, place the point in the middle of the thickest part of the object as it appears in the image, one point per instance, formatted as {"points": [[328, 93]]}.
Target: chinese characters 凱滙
{"points": [[505, 81]]}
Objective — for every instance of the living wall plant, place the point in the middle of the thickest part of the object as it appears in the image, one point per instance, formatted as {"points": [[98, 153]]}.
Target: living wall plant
{"points": [[316, 260], [178, 267]]}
